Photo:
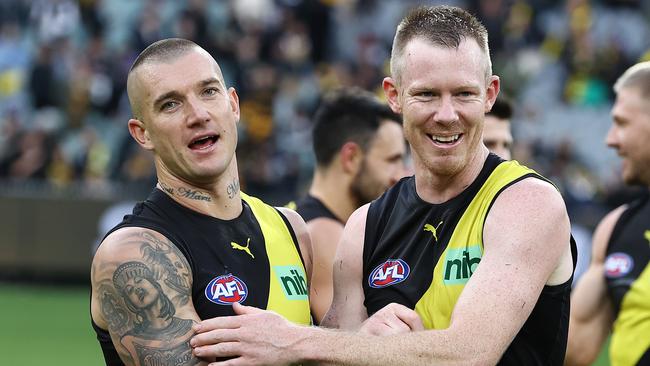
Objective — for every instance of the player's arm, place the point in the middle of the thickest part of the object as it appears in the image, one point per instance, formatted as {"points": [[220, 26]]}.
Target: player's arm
{"points": [[519, 259], [591, 309], [347, 310], [141, 293], [304, 241], [325, 235]]}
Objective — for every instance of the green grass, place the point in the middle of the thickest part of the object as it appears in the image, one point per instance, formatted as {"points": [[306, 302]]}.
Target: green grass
{"points": [[51, 326], [47, 326]]}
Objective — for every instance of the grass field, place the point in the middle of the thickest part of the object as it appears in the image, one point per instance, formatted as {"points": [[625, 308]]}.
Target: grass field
{"points": [[51, 325], [46, 326]]}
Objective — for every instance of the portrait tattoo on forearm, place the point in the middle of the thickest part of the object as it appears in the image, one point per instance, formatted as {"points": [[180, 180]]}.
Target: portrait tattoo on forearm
{"points": [[139, 301]]}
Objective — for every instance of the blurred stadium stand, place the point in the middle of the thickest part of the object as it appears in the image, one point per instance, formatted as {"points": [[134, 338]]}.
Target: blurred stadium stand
{"points": [[66, 156]]}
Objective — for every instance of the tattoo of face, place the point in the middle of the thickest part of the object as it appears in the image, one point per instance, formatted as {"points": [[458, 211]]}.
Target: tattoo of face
{"points": [[139, 300], [233, 188], [193, 194]]}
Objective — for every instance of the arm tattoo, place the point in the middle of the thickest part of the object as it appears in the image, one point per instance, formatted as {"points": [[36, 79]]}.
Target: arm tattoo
{"points": [[157, 253], [233, 188], [139, 299]]}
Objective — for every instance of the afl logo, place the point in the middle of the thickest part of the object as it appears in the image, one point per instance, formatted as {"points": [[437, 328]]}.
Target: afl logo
{"points": [[226, 290], [618, 265], [389, 273]]}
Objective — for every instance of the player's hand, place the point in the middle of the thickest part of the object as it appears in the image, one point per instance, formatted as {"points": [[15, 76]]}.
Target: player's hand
{"points": [[252, 337], [392, 319]]}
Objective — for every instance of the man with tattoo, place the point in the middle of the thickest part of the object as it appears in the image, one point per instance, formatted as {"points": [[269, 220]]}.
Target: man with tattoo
{"points": [[360, 149], [197, 244]]}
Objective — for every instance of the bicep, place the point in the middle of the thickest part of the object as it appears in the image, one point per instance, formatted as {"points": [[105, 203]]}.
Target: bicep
{"points": [[325, 235], [592, 313], [142, 295], [517, 262], [347, 310]]}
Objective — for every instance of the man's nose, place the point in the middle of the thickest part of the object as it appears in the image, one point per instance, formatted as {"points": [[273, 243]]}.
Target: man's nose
{"points": [[197, 112], [446, 111]]}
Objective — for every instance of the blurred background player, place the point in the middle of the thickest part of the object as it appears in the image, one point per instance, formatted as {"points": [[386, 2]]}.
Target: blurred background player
{"points": [[497, 135], [360, 150], [614, 293]]}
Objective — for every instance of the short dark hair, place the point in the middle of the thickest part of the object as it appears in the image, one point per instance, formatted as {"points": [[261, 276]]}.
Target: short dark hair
{"points": [[502, 108], [441, 25], [344, 115]]}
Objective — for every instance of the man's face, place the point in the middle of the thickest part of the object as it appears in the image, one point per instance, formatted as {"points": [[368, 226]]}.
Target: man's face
{"points": [[630, 134], [497, 136], [443, 97], [188, 116], [382, 165], [141, 292]]}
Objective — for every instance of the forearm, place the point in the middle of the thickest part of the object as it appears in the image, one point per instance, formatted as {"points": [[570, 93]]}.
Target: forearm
{"points": [[320, 346]]}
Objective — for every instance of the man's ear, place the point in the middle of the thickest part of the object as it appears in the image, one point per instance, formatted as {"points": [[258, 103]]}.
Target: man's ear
{"points": [[234, 102], [140, 134], [492, 92], [351, 157], [392, 94]]}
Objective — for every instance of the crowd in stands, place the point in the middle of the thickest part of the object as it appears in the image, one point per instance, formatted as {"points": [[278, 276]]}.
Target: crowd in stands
{"points": [[63, 67]]}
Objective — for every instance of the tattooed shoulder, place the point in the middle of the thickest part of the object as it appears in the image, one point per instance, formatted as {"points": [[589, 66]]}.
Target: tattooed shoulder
{"points": [[142, 287]]}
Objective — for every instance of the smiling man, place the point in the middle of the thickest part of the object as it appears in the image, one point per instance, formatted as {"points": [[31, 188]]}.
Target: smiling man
{"points": [[490, 284], [614, 293], [197, 244]]}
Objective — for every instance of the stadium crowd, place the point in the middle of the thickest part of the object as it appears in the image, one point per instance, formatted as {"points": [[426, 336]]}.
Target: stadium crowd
{"points": [[63, 66]]}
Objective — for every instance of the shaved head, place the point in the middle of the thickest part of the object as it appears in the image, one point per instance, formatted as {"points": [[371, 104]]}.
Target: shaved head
{"points": [[163, 51]]}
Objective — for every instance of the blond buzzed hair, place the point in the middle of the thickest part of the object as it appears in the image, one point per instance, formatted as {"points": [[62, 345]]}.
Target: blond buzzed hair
{"points": [[637, 76], [443, 25]]}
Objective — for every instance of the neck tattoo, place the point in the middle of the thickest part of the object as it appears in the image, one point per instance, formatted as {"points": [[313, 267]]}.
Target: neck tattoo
{"points": [[232, 188], [185, 192]]}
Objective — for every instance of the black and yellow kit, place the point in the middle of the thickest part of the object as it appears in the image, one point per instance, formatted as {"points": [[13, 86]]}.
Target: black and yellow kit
{"points": [[421, 255], [253, 259], [627, 274], [311, 208]]}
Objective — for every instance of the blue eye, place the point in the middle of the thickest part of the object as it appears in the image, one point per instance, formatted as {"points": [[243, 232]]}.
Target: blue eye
{"points": [[168, 105]]}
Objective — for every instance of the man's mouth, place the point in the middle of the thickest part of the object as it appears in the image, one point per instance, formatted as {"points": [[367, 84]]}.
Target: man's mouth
{"points": [[203, 142], [445, 140]]}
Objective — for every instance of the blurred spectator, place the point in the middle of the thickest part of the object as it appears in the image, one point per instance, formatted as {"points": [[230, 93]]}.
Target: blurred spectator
{"points": [[63, 66]]}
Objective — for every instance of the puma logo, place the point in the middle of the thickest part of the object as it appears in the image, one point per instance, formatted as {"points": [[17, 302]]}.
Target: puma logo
{"points": [[433, 230], [241, 247], [646, 234]]}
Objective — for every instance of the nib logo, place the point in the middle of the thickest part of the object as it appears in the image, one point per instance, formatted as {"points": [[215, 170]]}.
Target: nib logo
{"points": [[460, 264]]}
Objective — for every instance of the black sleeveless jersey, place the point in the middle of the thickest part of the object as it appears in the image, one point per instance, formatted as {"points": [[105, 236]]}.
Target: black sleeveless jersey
{"points": [[627, 274], [311, 208], [440, 246], [253, 259]]}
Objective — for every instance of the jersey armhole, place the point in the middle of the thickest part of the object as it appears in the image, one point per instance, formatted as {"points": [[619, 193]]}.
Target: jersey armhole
{"points": [[293, 234]]}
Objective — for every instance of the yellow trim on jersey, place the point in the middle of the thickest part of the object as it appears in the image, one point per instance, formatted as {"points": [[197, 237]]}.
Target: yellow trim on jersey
{"points": [[627, 345], [464, 250], [288, 290]]}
